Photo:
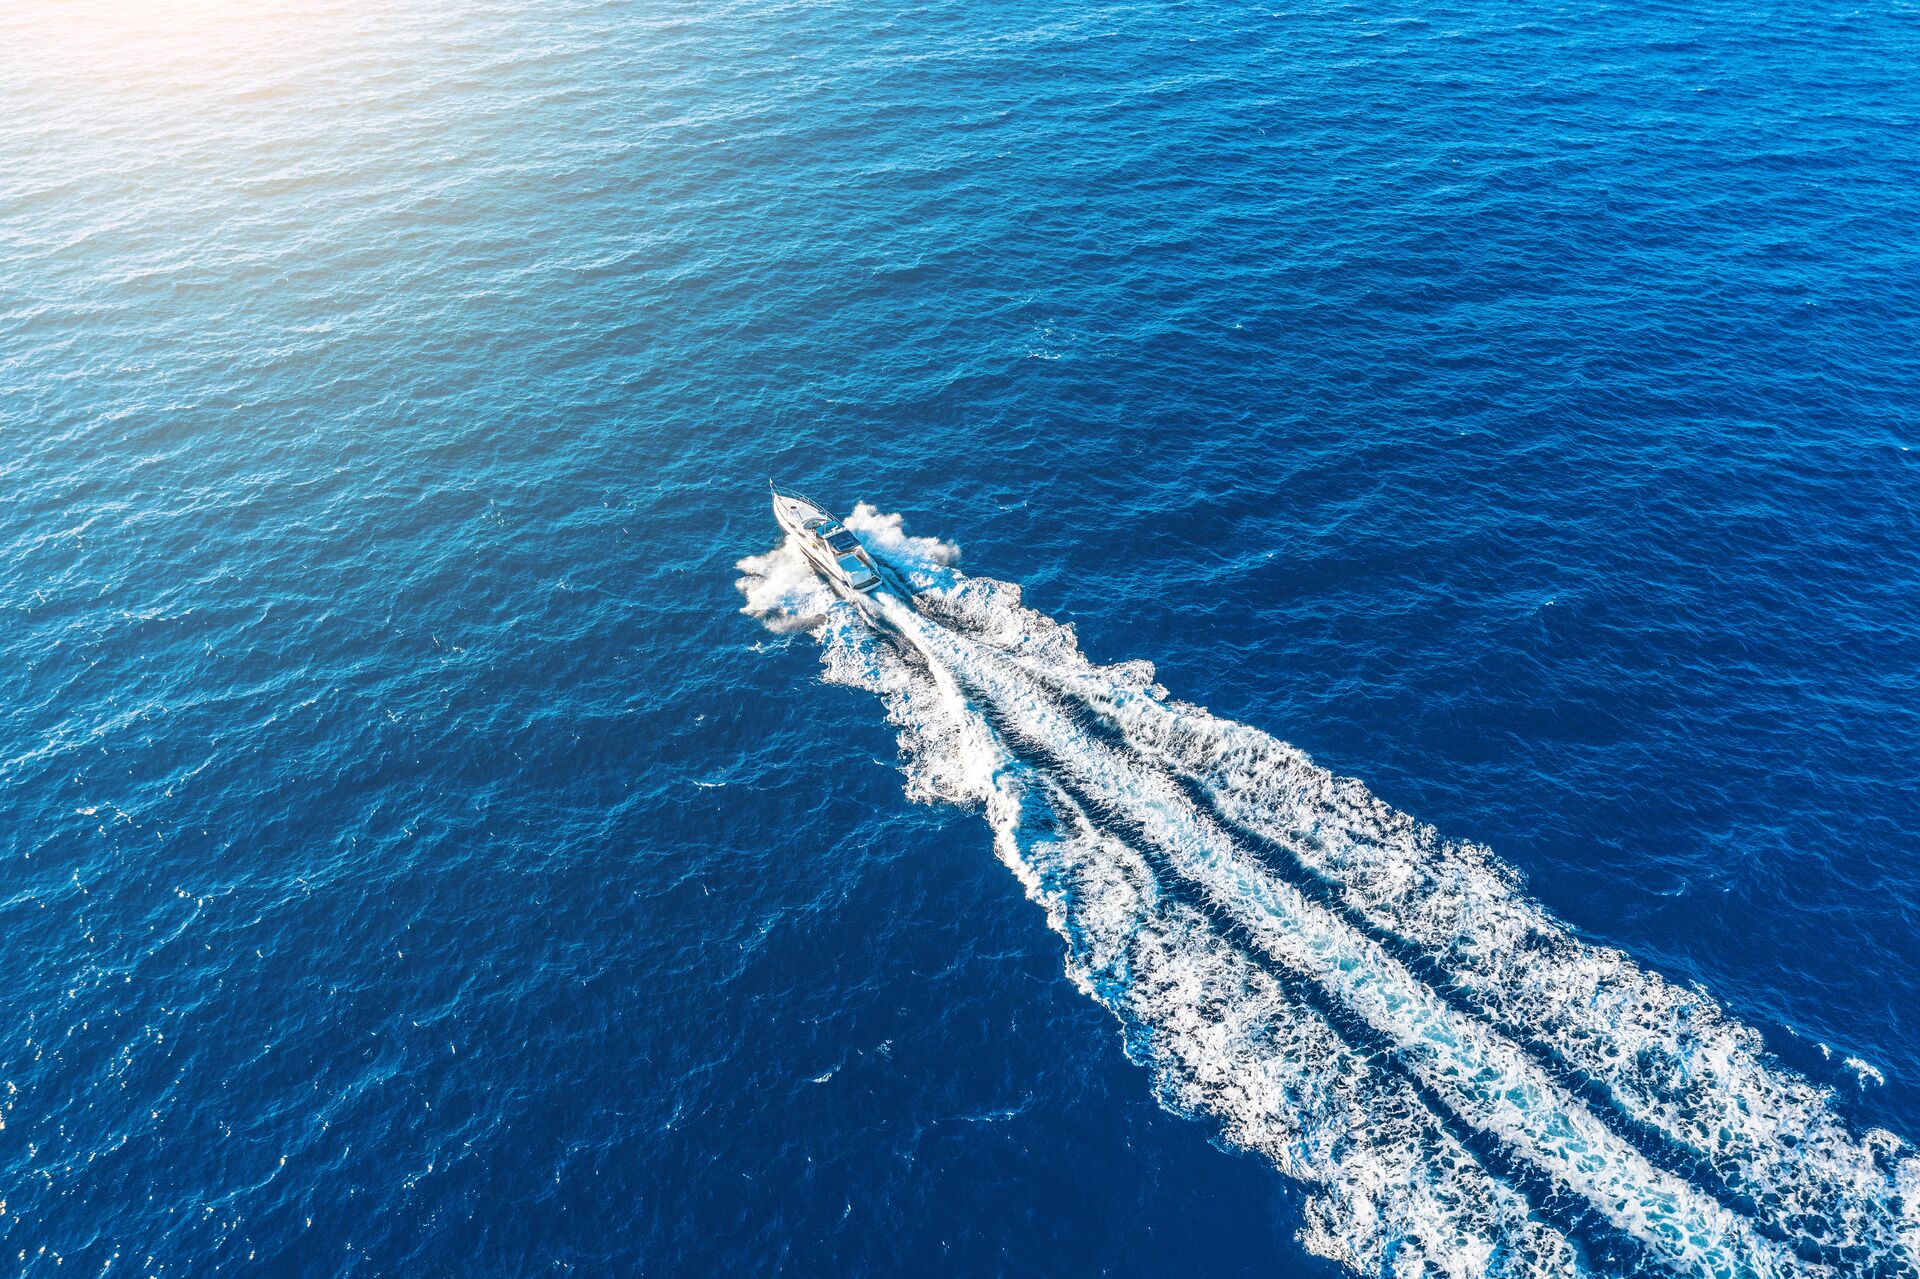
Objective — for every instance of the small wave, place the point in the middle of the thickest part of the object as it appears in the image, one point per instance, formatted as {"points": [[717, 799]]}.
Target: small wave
{"points": [[1865, 1071]]}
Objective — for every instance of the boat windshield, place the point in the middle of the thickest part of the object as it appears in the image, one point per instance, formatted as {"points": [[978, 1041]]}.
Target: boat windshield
{"points": [[842, 541]]}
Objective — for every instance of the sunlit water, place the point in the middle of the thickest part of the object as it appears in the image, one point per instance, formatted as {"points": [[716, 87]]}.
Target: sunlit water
{"points": [[418, 862]]}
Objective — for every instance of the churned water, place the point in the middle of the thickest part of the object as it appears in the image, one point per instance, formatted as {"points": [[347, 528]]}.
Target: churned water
{"points": [[450, 833]]}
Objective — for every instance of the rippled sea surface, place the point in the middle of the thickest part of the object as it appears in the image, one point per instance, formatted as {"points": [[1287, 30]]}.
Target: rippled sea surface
{"points": [[417, 862]]}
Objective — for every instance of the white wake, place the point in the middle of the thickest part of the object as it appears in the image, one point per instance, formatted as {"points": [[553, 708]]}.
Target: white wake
{"points": [[992, 701]]}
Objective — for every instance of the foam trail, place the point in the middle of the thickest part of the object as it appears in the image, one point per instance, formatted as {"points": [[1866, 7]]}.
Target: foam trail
{"points": [[1484, 1078], [1668, 1059], [1393, 1193], [1224, 1040]]}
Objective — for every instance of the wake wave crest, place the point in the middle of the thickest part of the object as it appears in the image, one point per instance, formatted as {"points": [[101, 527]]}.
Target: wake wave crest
{"points": [[987, 695]]}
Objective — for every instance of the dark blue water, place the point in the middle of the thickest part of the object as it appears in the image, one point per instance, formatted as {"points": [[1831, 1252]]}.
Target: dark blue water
{"points": [[417, 863]]}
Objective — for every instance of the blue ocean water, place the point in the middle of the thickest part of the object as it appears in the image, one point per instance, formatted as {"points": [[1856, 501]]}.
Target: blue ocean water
{"points": [[420, 863]]}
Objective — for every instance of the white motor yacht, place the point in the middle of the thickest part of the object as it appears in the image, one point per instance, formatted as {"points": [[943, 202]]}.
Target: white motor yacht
{"points": [[825, 541]]}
